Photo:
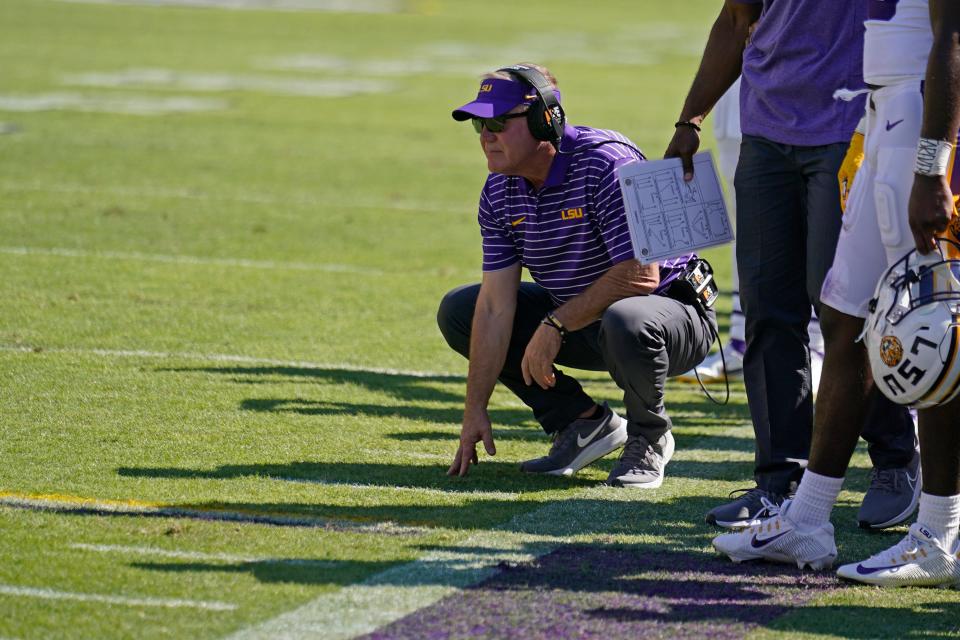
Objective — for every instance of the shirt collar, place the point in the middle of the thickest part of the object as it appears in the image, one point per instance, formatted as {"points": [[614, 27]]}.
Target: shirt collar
{"points": [[558, 168]]}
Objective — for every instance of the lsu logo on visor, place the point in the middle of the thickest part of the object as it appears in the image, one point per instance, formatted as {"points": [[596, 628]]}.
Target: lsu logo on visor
{"points": [[486, 88]]}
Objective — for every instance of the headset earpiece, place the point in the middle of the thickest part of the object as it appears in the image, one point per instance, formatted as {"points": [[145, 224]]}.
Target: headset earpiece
{"points": [[545, 117]]}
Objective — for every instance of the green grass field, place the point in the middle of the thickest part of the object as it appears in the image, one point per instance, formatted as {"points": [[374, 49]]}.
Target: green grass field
{"points": [[226, 408]]}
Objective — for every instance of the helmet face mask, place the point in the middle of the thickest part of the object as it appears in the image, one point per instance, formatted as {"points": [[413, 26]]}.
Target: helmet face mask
{"points": [[912, 332]]}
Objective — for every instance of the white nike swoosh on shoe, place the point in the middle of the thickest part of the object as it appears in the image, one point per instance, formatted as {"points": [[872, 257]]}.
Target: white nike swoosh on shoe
{"points": [[582, 442]]}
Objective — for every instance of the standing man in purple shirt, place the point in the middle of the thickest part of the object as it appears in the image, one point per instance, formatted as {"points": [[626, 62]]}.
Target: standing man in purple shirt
{"points": [[552, 204], [792, 55]]}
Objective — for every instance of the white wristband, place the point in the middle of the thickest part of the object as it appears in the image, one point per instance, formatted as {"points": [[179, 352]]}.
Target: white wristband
{"points": [[933, 157]]}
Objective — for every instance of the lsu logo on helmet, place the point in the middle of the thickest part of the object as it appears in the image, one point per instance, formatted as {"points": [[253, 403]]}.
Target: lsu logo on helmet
{"points": [[912, 332], [891, 351]]}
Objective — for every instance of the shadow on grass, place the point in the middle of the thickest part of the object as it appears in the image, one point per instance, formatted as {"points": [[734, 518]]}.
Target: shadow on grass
{"points": [[452, 415], [398, 385], [490, 475]]}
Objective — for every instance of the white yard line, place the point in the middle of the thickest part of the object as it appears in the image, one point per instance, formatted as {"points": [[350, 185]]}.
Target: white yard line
{"points": [[225, 357], [192, 260], [490, 495], [249, 198], [131, 507], [227, 558], [172, 603], [329, 6]]}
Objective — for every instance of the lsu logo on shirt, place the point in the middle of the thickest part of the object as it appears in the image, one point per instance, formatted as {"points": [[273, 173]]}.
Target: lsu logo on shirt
{"points": [[571, 214]]}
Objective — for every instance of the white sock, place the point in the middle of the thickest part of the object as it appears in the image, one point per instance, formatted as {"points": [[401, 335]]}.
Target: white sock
{"points": [[815, 498], [941, 516]]}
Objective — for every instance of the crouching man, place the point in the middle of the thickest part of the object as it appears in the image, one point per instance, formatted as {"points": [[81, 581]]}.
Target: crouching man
{"points": [[552, 204]]}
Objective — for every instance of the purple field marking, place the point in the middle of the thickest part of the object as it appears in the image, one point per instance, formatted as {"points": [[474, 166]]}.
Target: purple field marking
{"points": [[590, 592]]}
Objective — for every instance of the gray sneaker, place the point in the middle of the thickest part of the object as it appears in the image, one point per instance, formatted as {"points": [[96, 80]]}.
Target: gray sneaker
{"points": [[580, 443], [641, 464], [892, 497], [746, 511]]}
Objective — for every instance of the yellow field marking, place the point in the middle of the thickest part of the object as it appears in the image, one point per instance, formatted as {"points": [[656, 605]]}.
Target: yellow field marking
{"points": [[64, 502]]}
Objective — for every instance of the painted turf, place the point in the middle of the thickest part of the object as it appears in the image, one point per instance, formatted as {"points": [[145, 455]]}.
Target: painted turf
{"points": [[522, 571], [591, 592]]}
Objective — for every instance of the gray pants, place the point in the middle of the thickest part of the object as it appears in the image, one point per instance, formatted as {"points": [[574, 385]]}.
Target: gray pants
{"points": [[788, 223], [640, 341]]}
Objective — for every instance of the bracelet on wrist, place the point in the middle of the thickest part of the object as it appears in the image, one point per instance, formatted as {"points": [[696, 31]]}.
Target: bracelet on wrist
{"points": [[687, 123], [933, 157], [551, 320]]}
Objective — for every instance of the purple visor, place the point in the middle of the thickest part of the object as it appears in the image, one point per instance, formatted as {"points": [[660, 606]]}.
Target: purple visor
{"points": [[495, 98]]}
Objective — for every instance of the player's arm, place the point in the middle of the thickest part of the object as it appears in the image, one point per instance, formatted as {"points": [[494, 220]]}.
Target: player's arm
{"points": [[622, 280], [931, 201], [719, 68], [489, 339]]}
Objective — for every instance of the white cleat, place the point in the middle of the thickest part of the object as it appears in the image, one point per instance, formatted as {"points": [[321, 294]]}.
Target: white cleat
{"points": [[711, 369], [916, 561], [779, 539]]}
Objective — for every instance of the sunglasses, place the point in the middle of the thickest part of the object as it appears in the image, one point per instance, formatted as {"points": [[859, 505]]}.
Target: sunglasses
{"points": [[495, 125]]}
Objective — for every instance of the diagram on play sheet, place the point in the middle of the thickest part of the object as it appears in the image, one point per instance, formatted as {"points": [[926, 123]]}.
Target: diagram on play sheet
{"points": [[669, 217]]}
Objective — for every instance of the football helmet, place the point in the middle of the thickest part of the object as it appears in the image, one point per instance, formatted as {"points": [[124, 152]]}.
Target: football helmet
{"points": [[912, 331]]}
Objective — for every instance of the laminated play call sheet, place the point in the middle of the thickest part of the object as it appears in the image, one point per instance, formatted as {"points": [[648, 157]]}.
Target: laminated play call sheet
{"points": [[669, 217]]}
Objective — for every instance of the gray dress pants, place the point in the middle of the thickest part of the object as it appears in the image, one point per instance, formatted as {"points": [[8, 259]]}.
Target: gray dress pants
{"points": [[788, 223], [640, 341]]}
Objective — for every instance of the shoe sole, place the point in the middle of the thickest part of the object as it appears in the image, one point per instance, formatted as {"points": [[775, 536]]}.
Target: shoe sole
{"points": [[902, 516], [594, 451], [817, 564], [894, 585]]}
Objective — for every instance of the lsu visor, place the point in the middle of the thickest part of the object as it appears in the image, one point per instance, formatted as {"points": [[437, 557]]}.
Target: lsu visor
{"points": [[495, 98]]}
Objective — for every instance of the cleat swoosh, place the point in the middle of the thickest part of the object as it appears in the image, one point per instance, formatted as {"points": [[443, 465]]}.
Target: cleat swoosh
{"points": [[866, 571], [757, 543]]}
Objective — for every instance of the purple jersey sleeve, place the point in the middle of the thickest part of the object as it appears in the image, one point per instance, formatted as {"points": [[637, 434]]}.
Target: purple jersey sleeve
{"points": [[611, 215], [499, 250]]}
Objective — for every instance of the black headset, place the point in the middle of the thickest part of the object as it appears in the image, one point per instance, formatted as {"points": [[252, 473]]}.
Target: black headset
{"points": [[545, 117]]}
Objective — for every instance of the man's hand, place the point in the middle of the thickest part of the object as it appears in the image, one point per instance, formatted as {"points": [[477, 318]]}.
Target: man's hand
{"points": [[542, 350], [476, 427], [685, 143], [849, 167], [930, 210]]}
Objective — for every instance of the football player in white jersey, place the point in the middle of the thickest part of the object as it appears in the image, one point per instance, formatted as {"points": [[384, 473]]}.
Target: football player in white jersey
{"points": [[901, 199]]}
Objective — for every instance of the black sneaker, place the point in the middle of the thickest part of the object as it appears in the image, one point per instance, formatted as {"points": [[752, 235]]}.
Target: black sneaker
{"points": [[745, 511], [892, 497], [580, 443], [642, 463]]}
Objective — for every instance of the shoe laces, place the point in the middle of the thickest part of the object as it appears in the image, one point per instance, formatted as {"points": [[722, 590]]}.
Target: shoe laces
{"points": [[904, 551], [887, 480], [749, 493], [638, 453], [767, 516], [561, 438]]}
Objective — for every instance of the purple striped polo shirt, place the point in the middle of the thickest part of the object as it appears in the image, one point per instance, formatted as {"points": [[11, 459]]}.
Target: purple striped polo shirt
{"points": [[571, 231]]}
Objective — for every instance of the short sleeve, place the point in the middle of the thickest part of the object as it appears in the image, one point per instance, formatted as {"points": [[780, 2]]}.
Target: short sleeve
{"points": [[499, 250]]}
